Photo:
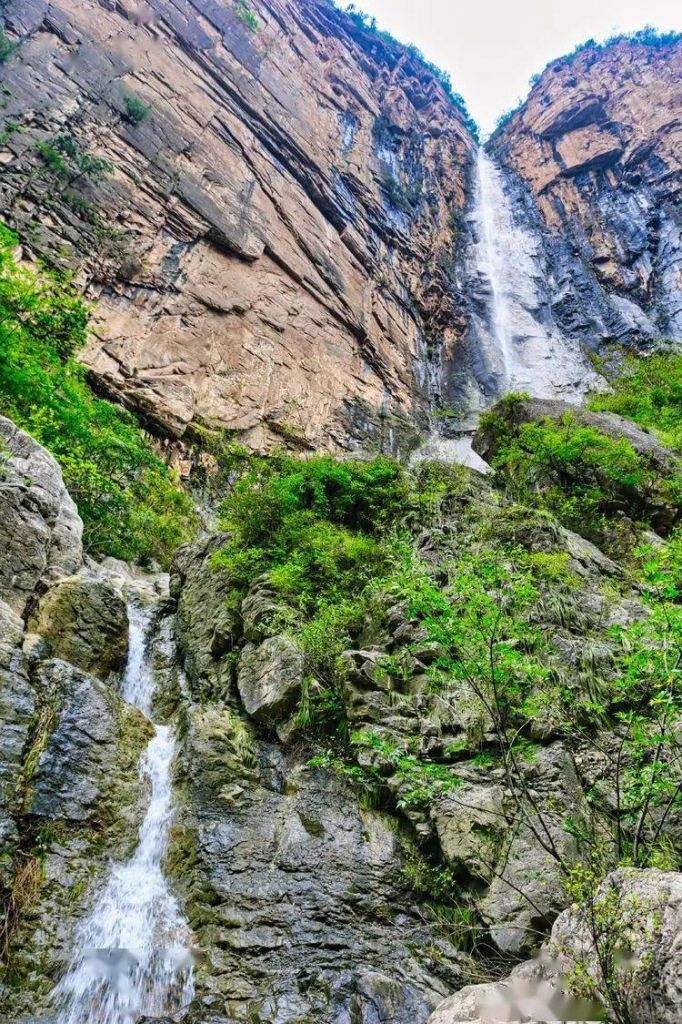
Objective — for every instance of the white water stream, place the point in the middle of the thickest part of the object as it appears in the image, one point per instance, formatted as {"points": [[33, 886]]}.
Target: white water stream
{"points": [[132, 953], [523, 348], [514, 343]]}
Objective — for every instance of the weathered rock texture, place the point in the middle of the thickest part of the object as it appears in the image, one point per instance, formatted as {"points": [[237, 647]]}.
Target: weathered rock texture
{"points": [[70, 795], [40, 529], [646, 977], [85, 621], [599, 144], [270, 252]]}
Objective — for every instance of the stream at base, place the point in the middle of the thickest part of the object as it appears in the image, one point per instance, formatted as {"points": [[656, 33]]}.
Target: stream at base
{"points": [[132, 953]]}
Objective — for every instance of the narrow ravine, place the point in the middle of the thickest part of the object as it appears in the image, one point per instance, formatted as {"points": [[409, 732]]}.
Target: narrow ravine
{"points": [[132, 953]]}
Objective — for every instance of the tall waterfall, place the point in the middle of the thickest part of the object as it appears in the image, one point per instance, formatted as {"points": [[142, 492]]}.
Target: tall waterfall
{"points": [[132, 954], [515, 344]]}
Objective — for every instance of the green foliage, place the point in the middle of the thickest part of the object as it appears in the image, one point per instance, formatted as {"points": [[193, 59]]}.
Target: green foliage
{"points": [[135, 110], [315, 527], [647, 390], [6, 48], [420, 780], [66, 159], [580, 474], [246, 15], [605, 969], [131, 505]]}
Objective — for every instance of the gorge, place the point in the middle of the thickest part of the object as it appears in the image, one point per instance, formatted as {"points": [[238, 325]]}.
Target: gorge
{"points": [[340, 580]]}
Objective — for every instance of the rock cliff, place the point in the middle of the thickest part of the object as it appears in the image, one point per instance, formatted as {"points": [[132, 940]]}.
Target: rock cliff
{"points": [[262, 198], [598, 144]]}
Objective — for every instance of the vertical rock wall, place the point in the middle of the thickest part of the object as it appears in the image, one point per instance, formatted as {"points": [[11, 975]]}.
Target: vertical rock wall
{"points": [[596, 152], [271, 249]]}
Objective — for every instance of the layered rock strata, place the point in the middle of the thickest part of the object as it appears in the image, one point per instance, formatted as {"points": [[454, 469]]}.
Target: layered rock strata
{"points": [[596, 152], [261, 197]]}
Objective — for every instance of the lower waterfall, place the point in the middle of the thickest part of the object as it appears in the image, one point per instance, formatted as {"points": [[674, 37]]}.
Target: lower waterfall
{"points": [[132, 953]]}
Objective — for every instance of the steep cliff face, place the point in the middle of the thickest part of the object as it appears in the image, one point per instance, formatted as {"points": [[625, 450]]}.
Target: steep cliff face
{"points": [[599, 145], [262, 199]]}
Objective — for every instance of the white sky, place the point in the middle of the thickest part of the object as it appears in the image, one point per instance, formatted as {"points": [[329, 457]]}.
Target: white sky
{"points": [[492, 47]]}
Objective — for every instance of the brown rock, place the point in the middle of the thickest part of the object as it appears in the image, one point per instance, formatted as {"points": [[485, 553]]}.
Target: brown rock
{"points": [[267, 253]]}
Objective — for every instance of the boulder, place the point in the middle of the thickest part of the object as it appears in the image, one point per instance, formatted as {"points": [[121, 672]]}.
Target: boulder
{"points": [[40, 529], [84, 620], [647, 972], [270, 678]]}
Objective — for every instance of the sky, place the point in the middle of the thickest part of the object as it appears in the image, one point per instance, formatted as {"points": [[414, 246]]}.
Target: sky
{"points": [[492, 47]]}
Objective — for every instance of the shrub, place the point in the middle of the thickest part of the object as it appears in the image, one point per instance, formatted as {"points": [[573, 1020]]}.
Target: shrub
{"points": [[131, 505], [135, 110], [6, 48], [648, 390], [246, 15]]}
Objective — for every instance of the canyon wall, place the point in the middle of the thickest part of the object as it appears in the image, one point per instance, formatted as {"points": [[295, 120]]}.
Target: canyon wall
{"points": [[598, 145], [261, 198]]}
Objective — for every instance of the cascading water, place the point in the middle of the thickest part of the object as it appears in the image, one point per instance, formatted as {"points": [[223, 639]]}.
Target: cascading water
{"points": [[132, 955], [513, 343], [516, 344]]}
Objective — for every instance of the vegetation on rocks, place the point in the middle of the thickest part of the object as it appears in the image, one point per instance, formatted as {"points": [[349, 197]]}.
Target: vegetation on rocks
{"points": [[130, 503], [454, 628]]}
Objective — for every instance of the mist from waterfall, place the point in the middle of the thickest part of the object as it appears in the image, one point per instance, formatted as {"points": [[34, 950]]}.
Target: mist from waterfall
{"points": [[132, 952]]}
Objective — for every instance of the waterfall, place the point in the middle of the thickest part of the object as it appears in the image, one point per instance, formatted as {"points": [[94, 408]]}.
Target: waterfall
{"points": [[132, 953], [512, 342], [515, 343]]}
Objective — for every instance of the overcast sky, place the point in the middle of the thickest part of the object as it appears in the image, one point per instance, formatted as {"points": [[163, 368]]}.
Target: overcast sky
{"points": [[492, 47]]}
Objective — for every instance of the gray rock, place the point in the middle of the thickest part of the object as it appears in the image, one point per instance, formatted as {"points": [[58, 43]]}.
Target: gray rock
{"points": [[270, 678], [527, 892], [84, 620], [259, 608], [78, 751], [471, 824], [648, 978], [296, 892], [207, 624], [17, 713], [40, 529]]}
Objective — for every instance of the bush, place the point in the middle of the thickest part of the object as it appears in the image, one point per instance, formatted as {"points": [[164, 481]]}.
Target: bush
{"points": [[131, 506], [246, 15], [135, 110], [6, 48], [647, 390]]}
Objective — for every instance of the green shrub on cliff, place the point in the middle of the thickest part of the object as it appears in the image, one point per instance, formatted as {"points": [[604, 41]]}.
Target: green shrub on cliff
{"points": [[649, 392], [131, 505]]}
